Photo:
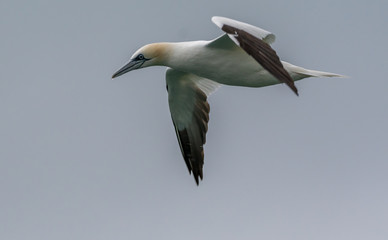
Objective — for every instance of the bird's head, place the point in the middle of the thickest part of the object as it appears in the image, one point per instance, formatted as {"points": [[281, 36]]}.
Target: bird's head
{"points": [[148, 55]]}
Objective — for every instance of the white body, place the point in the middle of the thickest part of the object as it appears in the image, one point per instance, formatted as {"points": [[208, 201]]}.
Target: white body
{"points": [[231, 66], [240, 57]]}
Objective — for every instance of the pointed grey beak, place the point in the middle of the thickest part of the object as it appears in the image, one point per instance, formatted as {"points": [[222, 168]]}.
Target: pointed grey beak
{"points": [[132, 65]]}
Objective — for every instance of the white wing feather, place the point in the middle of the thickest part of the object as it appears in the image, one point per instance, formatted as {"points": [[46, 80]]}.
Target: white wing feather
{"points": [[262, 34]]}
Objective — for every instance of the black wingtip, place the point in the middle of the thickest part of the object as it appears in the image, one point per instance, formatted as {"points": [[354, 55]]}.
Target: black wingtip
{"points": [[295, 90], [292, 86], [197, 175], [196, 180]]}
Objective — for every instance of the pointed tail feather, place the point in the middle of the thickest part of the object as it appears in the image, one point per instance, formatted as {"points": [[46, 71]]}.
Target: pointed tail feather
{"points": [[299, 72], [314, 73]]}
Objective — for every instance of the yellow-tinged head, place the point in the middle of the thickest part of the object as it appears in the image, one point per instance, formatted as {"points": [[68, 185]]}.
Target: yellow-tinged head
{"points": [[148, 55]]}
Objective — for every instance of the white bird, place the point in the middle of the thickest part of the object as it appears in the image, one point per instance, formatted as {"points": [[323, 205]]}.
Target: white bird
{"points": [[240, 57]]}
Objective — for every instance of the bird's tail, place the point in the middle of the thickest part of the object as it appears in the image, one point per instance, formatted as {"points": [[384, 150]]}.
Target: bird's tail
{"points": [[299, 72], [314, 73]]}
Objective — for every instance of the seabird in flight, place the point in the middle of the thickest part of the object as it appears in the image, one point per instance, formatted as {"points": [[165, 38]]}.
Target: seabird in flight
{"points": [[242, 56]]}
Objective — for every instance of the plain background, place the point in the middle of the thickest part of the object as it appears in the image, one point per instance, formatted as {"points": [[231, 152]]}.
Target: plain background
{"points": [[84, 157]]}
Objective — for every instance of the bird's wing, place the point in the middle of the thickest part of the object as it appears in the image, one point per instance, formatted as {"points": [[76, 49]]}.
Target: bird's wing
{"points": [[257, 32], [255, 41], [187, 98]]}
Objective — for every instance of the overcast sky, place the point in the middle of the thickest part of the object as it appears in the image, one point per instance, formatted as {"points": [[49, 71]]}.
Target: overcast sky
{"points": [[84, 157]]}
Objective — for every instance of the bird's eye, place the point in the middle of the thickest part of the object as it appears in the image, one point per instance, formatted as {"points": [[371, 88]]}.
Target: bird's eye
{"points": [[140, 57]]}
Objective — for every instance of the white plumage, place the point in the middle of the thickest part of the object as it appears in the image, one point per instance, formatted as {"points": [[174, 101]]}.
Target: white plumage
{"points": [[240, 57]]}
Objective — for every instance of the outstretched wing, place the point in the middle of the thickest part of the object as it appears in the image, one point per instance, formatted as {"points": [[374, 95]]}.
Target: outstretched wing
{"points": [[255, 41], [187, 98]]}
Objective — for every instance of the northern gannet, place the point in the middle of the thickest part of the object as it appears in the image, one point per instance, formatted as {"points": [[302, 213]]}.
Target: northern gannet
{"points": [[241, 56]]}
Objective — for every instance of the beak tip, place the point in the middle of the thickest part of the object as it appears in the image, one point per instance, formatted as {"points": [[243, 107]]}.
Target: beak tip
{"points": [[115, 75], [126, 68]]}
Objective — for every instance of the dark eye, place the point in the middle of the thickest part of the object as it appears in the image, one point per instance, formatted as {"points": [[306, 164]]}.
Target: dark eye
{"points": [[140, 57]]}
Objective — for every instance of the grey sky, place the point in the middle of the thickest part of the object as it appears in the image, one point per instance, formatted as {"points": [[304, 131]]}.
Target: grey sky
{"points": [[84, 157]]}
